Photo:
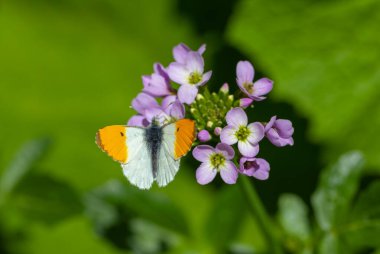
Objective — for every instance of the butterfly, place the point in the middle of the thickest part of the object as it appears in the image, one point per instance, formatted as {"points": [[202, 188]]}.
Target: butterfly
{"points": [[148, 154]]}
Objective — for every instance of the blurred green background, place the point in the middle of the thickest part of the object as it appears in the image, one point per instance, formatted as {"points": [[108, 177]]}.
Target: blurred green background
{"points": [[69, 67]]}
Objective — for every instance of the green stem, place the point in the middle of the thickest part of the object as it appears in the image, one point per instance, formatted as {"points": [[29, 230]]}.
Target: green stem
{"points": [[258, 211]]}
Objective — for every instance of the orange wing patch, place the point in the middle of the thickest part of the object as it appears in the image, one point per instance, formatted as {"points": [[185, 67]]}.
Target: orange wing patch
{"points": [[184, 137], [112, 140]]}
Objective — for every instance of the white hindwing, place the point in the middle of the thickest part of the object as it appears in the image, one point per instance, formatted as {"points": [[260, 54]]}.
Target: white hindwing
{"points": [[167, 165], [138, 168]]}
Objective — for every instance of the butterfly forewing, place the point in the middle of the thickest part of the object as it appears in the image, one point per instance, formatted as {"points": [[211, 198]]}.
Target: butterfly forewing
{"points": [[179, 137], [112, 140]]}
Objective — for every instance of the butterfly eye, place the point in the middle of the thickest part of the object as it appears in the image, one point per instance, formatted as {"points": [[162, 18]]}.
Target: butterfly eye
{"points": [[122, 134], [177, 129]]}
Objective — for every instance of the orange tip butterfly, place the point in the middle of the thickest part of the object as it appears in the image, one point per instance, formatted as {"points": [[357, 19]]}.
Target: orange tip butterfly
{"points": [[148, 154]]}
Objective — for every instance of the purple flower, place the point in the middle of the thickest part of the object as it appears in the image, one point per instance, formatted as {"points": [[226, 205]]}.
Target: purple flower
{"points": [[157, 115], [143, 102], [157, 84], [239, 131], [256, 167], [217, 131], [204, 136], [181, 50], [244, 79], [138, 121], [245, 102], [225, 88], [279, 132], [189, 75], [173, 107], [215, 160], [149, 110]]}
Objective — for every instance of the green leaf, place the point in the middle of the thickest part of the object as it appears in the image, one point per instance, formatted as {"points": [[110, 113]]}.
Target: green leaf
{"points": [[368, 203], [150, 206], [330, 244], [336, 188], [293, 218], [363, 228], [225, 218], [21, 164], [323, 57], [45, 199]]}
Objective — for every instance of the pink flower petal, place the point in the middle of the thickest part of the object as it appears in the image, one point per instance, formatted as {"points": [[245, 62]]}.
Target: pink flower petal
{"points": [[217, 131], [245, 102], [229, 172], [202, 49], [177, 110], [236, 117], [146, 79], [262, 87], [144, 101], [245, 166], [276, 140], [247, 149], [204, 136], [228, 136], [205, 78], [256, 167], [156, 114], [203, 152], [262, 173], [284, 128], [157, 86], [226, 150], [205, 173], [167, 103], [257, 132], [244, 72], [270, 123], [194, 62], [187, 94], [178, 73], [180, 52], [138, 121]]}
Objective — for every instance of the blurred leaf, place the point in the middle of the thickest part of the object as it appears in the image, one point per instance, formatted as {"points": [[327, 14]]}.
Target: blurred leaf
{"points": [[368, 204], [330, 245], [363, 228], [150, 238], [150, 206], [336, 188], [293, 218], [102, 213], [45, 199], [323, 57], [224, 221], [21, 164]]}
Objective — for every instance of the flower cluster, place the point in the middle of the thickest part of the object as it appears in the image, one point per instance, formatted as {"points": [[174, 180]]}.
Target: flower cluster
{"points": [[179, 90]]}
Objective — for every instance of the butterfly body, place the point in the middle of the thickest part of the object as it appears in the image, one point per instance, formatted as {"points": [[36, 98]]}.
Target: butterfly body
{"points": [[148, 154], [153, 138]]}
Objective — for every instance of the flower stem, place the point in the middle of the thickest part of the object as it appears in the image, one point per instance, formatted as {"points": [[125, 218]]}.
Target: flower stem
{"points": [[258, 211]]}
